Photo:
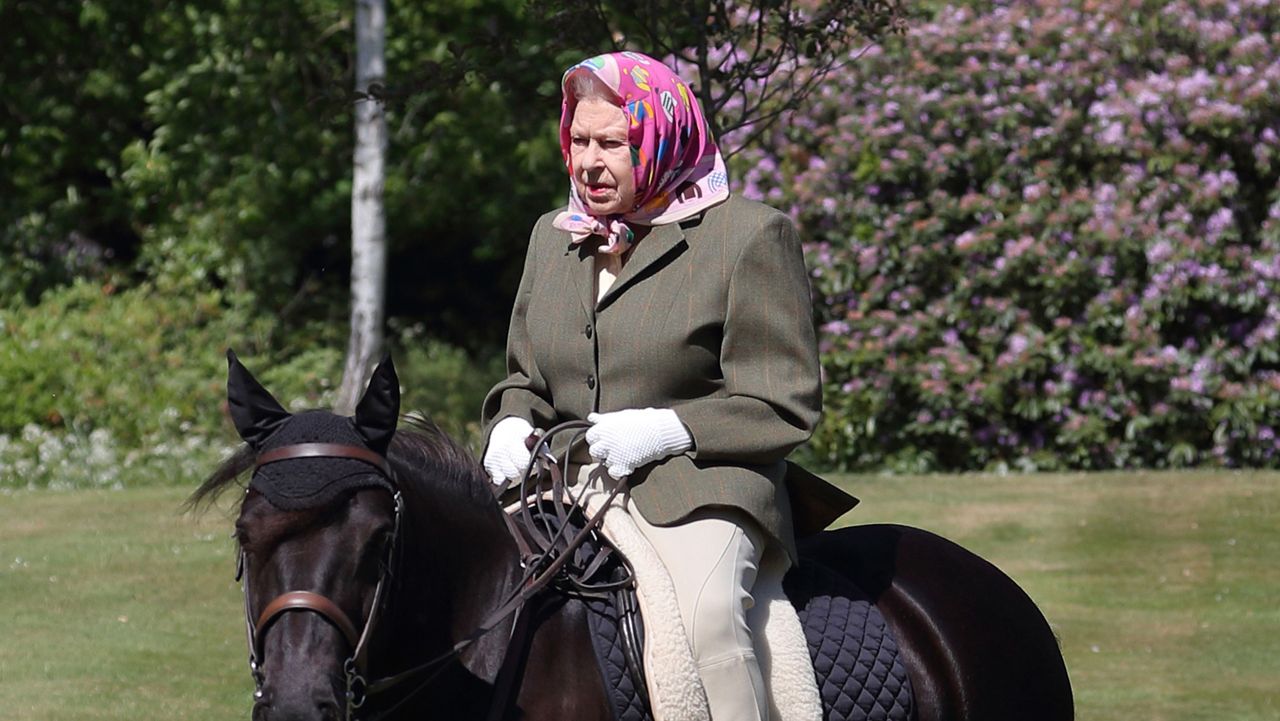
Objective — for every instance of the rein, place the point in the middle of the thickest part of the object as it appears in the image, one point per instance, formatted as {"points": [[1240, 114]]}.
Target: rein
{"points": [[541, 562]]}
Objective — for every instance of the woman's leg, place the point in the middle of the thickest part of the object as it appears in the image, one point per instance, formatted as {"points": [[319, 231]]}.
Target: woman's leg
{"points": [[768, 594], [713, 559]]}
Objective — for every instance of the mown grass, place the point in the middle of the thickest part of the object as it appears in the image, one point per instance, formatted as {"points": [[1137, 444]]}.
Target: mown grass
{"points": [[1162, 588], [117, 607]]}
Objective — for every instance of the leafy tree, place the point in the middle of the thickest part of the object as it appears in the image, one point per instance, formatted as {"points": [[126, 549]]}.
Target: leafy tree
{"points": [[208, 143], [68, 87], [749, 62]]}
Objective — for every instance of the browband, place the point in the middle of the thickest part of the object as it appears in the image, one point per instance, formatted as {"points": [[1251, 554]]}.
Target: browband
{"points": [[324, 450]]}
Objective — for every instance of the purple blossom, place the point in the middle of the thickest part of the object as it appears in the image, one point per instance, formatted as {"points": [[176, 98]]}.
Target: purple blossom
{"points": [[1219, 222], [1195, 86], [926, 242], [1160, 252], [1112, 134], [1017, 344]]}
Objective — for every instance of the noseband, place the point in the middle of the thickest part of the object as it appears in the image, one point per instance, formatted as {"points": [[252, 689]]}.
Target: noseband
{"points": [[356, 664]]}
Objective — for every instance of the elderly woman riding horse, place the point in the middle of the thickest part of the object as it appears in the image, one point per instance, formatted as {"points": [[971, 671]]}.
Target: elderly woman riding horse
{"points": [[383, 582], [675, 317]]}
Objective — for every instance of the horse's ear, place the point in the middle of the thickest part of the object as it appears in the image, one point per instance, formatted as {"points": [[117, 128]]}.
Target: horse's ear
{"points": [[255, 413], [379, 409]]}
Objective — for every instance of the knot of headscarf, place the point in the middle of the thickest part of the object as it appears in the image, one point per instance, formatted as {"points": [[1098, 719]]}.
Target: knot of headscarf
{"points": [[678, 169]]}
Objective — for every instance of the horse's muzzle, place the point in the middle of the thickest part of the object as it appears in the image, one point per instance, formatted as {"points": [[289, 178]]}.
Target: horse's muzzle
{"points": [[296, 707]]}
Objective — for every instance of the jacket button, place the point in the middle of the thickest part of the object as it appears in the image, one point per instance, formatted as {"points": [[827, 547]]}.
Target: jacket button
{"points": [[587, 331], [591, 382]]}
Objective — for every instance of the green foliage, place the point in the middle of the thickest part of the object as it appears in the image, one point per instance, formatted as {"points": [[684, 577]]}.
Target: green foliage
{"points": [[177, 180], [207, 143], [70, 101], [242, 168], [445, 383], [90, 356], [107, 387], [472, 111]]}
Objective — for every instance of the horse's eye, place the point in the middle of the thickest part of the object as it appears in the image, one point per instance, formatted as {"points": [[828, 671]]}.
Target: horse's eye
{"points": [[383, 544], [378, 552]]}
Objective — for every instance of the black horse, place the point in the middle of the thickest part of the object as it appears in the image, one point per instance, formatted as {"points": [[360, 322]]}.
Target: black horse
{"points": [[372, 587]]}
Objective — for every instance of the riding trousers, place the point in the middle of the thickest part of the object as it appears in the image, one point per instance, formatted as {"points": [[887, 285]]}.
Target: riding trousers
{"points": [[724, 569]]}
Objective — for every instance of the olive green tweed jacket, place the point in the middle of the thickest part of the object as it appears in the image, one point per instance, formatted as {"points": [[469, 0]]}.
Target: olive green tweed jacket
{"points": [[710, 317]]}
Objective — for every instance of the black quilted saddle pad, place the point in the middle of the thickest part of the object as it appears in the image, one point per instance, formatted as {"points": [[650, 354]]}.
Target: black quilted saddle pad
{"points": [[861, 676], [860, 673]]}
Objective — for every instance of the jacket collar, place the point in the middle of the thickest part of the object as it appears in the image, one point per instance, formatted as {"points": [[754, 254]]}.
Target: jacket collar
{"points": [[657, 245], [661, 241]]}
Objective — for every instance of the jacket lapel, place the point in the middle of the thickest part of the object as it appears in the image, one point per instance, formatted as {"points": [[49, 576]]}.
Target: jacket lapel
{"points": [[581, 268], [660, 242]]}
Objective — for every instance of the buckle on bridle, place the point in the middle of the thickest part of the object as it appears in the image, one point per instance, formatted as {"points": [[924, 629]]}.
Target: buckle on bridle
{"points": [[357, 687]]}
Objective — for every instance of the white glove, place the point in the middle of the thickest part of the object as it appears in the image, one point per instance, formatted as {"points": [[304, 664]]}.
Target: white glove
{"points": [[625, 440], [507, 457]]}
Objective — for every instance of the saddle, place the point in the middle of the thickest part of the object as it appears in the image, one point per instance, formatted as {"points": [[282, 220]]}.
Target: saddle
{"points": [[854, 656]]}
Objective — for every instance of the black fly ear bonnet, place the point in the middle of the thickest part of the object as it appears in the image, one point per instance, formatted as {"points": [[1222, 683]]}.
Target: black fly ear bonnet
{"points": [[300, 483]]}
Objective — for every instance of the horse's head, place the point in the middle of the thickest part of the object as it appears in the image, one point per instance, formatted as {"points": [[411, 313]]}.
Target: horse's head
{"points": [[316, 530]]}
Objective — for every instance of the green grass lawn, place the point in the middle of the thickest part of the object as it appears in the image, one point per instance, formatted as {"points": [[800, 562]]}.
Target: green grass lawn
{"points": [[1163, 589]]}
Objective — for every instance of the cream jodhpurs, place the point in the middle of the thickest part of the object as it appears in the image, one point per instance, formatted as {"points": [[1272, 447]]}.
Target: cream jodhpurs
{"points": [[723, 568]]}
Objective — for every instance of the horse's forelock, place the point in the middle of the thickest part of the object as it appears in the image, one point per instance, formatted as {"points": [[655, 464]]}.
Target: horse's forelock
{"points": [[222, 478]]}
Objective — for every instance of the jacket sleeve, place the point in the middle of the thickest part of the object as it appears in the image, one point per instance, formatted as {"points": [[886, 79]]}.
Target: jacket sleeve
{"points": [[523, 393], [768, 356]]}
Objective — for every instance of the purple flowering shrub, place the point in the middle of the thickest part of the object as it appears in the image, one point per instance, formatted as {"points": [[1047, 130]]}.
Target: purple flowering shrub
{"points": [[1045, 237]]}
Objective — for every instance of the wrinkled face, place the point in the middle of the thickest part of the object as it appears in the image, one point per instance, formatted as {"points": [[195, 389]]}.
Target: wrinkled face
{"points": [[600, 157]]}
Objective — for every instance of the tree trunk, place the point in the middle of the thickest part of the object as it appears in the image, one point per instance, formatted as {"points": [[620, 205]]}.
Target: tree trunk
{"points": [[368, 222]]}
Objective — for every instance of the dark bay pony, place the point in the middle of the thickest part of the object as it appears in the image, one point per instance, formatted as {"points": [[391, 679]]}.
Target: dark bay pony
{"points": [[375, 561]]}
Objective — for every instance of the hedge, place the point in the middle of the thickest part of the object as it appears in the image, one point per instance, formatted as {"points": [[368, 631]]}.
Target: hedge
{"points": [[110, 387], [1044, 236]]}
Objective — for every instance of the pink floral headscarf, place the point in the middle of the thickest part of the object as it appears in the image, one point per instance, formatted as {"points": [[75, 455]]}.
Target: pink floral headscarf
{"points": [[679, 171]]}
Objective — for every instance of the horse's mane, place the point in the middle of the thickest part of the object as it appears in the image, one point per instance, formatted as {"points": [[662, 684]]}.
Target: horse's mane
{"points": [[420, 453]]}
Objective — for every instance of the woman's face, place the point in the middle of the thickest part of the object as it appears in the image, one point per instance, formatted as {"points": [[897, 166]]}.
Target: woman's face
{"points": [[600, 157]]}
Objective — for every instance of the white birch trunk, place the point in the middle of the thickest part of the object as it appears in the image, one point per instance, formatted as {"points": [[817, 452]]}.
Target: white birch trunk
{"points": [[368, 223]]}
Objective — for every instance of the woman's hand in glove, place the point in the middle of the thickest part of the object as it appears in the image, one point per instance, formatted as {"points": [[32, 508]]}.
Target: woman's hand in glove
{"points": [[626, 440], [507, 455]]}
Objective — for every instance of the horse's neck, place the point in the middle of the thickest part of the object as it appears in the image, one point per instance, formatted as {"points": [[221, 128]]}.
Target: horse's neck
{"points": [[465, 564]]}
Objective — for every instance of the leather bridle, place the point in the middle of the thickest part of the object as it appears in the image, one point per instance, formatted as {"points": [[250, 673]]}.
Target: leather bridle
{"points": [[541, 561], [356, 665]]}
